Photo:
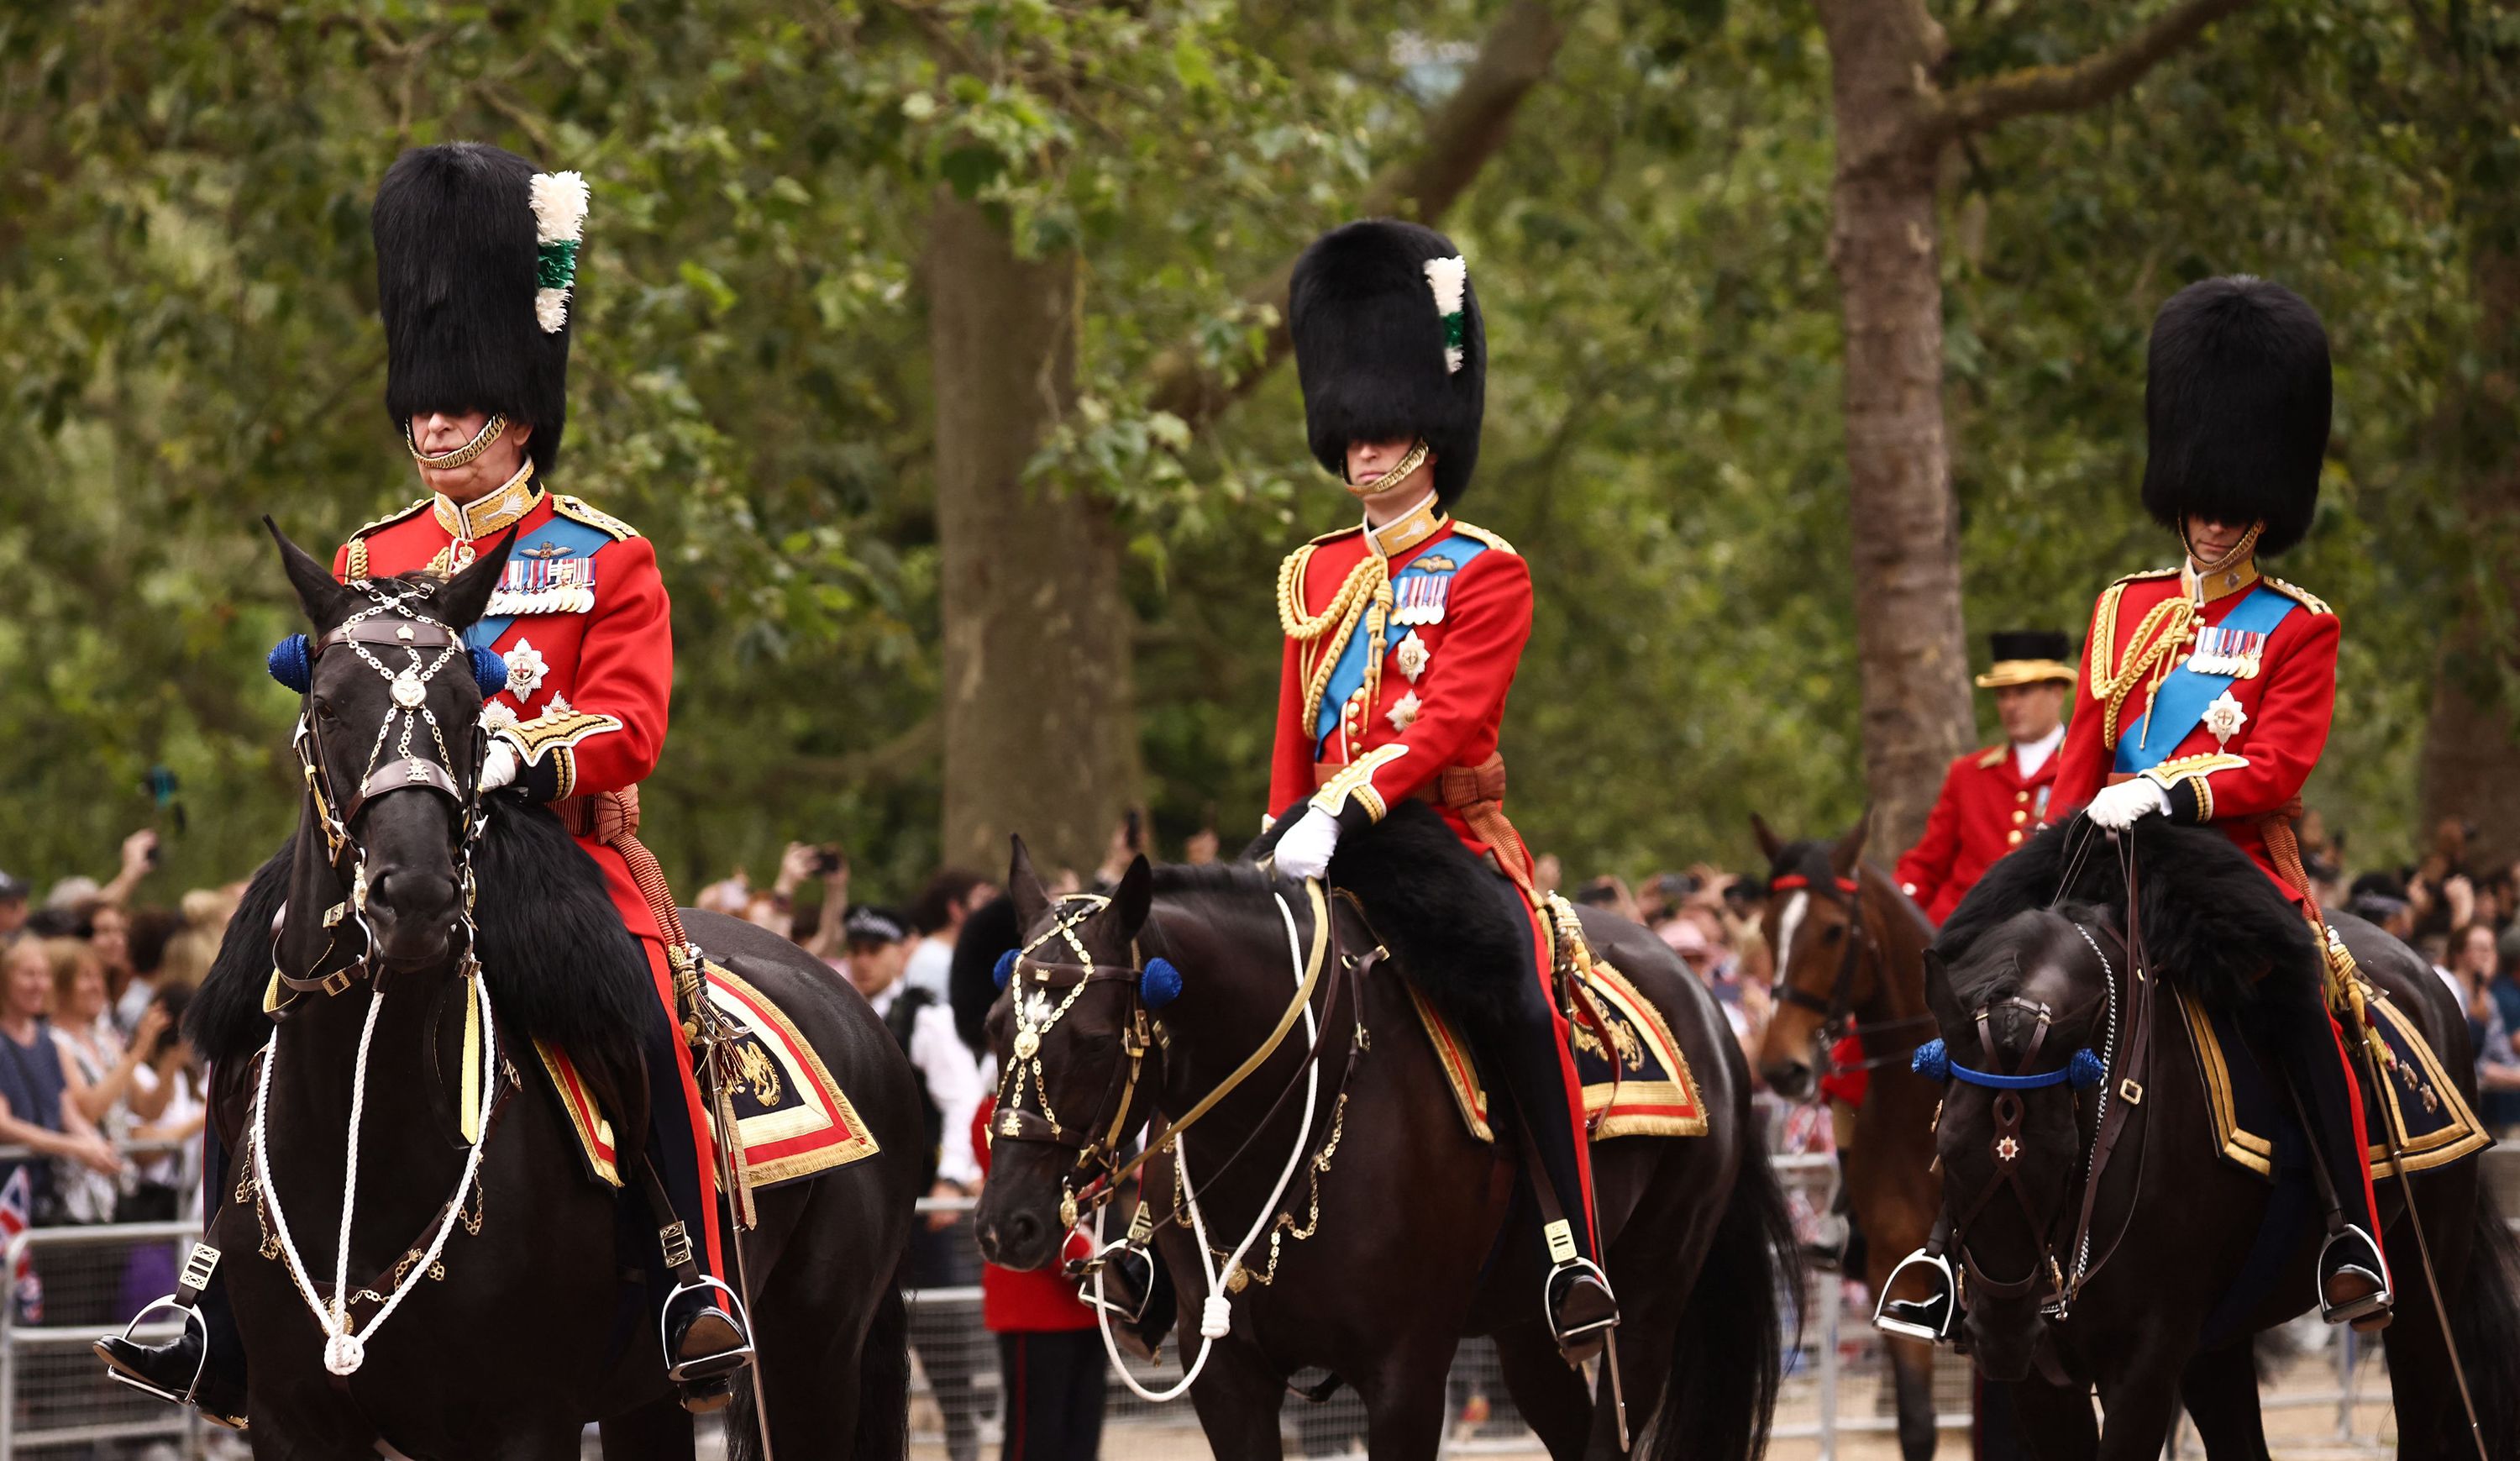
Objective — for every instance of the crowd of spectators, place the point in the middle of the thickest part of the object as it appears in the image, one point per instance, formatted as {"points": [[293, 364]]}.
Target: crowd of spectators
{"points": [[101, 1099]]}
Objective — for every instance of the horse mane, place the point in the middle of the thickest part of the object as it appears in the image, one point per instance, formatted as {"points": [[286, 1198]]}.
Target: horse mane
{"points": [[561, 968], [1211, 879], [2212, 920], [226, 1020]]}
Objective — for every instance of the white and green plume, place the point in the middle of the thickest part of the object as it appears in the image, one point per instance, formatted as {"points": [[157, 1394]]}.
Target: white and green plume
{"points": [[559, 217], [1450, 278]]}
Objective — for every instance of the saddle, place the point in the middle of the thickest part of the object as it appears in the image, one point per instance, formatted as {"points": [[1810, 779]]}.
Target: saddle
{"points": [[1637, 1080], [792, 1117]]}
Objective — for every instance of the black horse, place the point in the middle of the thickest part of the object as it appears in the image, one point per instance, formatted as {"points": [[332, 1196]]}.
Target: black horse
{"points": [[2032, 982], [1401, 1232], [537, 1316]]}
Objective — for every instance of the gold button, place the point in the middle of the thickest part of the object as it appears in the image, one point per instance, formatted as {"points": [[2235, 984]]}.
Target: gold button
{"points": [[2013, 837], [2020, 817], [2021, 796]]}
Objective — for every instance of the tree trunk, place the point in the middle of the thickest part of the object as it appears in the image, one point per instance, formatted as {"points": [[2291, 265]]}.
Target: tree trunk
{"points": [[1041, 730], [2471, 757], [1909, 639]]}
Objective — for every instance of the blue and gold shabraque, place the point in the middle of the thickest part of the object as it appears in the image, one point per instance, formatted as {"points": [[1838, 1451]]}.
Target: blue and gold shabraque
{"points": [[2254, 1128]]}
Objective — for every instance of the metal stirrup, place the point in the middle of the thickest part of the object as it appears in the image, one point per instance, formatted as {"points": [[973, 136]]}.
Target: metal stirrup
{"points": [[198, 1265], [1941, 1267], [676, 1368]]}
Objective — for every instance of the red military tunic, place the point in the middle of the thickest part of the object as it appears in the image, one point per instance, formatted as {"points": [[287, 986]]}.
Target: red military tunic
{"points": [[1986, 809], [2281, 699], [1359, 732], [1453, 607], [583, 624]]}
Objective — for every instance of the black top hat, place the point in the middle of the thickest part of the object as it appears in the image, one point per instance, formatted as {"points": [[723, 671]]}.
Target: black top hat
{"points": [[2236, 396], [477, 255], [1389, 345], [2028, 656]]}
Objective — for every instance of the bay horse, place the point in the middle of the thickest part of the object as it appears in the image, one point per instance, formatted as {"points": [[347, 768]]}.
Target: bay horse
{"points": [[538, 1315], [2137, 1267], [1850, 958], [1400, 1233]]}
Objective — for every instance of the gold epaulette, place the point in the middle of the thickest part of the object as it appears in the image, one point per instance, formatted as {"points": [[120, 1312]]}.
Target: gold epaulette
{"points": [[1993, 758], [576, 511], [1333, 535], [2136, 577], [2308, 600], [1481, 534], [357, 566]]}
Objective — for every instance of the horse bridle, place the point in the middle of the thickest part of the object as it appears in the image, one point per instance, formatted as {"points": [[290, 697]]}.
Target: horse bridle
{"points": [[1037, 1014], [2084, 1069], [1836, 1011], [388, 622]]}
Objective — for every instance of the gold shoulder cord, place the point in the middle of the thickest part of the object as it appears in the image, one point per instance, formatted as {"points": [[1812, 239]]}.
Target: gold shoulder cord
{"points": [[2148, 660], [1368, 586]]}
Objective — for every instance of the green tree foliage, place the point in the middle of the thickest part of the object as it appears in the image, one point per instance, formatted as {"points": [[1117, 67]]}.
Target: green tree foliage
{"points": [[187, 340]]}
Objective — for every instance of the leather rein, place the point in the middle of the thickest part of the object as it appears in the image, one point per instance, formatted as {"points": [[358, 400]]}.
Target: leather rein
{"points": [[1836, 1011], [389, 623]]}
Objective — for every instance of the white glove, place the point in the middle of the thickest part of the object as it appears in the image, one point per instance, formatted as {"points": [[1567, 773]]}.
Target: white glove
{"points": [[498, 767], [2117, 808], [1305, 851]]}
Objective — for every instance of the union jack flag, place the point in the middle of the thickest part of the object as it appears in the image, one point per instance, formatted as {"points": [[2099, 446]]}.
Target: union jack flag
{"points": [[16, 1210]]}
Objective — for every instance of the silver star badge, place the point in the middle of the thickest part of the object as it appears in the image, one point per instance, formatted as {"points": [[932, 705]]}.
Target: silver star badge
{"points": [[1403, 711], [525, 669], [1411, 656], [2224, 717]]}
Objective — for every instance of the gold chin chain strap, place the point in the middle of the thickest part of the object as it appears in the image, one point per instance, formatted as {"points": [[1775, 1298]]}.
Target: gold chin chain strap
{"points": [[1399, 473], [462, 456]]}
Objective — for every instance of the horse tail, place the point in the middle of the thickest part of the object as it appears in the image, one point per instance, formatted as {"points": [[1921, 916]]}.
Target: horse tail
{"points": [[2485, 1319], [1724, 1360], [883, 1383]]}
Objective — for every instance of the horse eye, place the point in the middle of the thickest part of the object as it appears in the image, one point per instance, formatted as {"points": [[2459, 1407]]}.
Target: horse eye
{"points": [[324, 710], [1835, 932]]}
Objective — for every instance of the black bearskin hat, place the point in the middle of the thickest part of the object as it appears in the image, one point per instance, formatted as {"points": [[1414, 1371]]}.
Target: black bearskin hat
{"points": [[1379, 358], [475, 255], [2236, 403]]}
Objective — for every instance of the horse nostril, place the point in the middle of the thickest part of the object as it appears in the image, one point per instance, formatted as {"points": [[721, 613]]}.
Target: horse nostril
{"points": [[415, 896], [1018, 1232]]}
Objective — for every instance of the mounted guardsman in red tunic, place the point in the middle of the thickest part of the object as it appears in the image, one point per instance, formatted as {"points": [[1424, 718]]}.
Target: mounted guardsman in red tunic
{"points": [[2206, 689], [1992, 799], [476, 262], [1402, 638]]}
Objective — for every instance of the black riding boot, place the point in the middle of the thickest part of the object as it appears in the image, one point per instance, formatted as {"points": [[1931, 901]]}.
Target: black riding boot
{"points": [[1580, 1307], [2290, 1020], [701, 1323], [204, 1365]]}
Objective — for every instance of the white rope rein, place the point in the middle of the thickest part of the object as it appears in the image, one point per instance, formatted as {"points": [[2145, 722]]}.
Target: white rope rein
{"points": [[1216, 1314], [346, 1350]]}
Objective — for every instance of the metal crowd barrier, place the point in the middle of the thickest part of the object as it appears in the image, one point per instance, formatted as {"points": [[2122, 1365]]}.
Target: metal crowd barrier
{"points": [[56, 1402]]}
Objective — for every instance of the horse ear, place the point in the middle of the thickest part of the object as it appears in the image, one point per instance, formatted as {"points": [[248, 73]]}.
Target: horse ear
{"points": [[468, 593], [1848, 852], [1770, 845], [1134, 897], [319, 593], [1023, 885], [1939, 998]]}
